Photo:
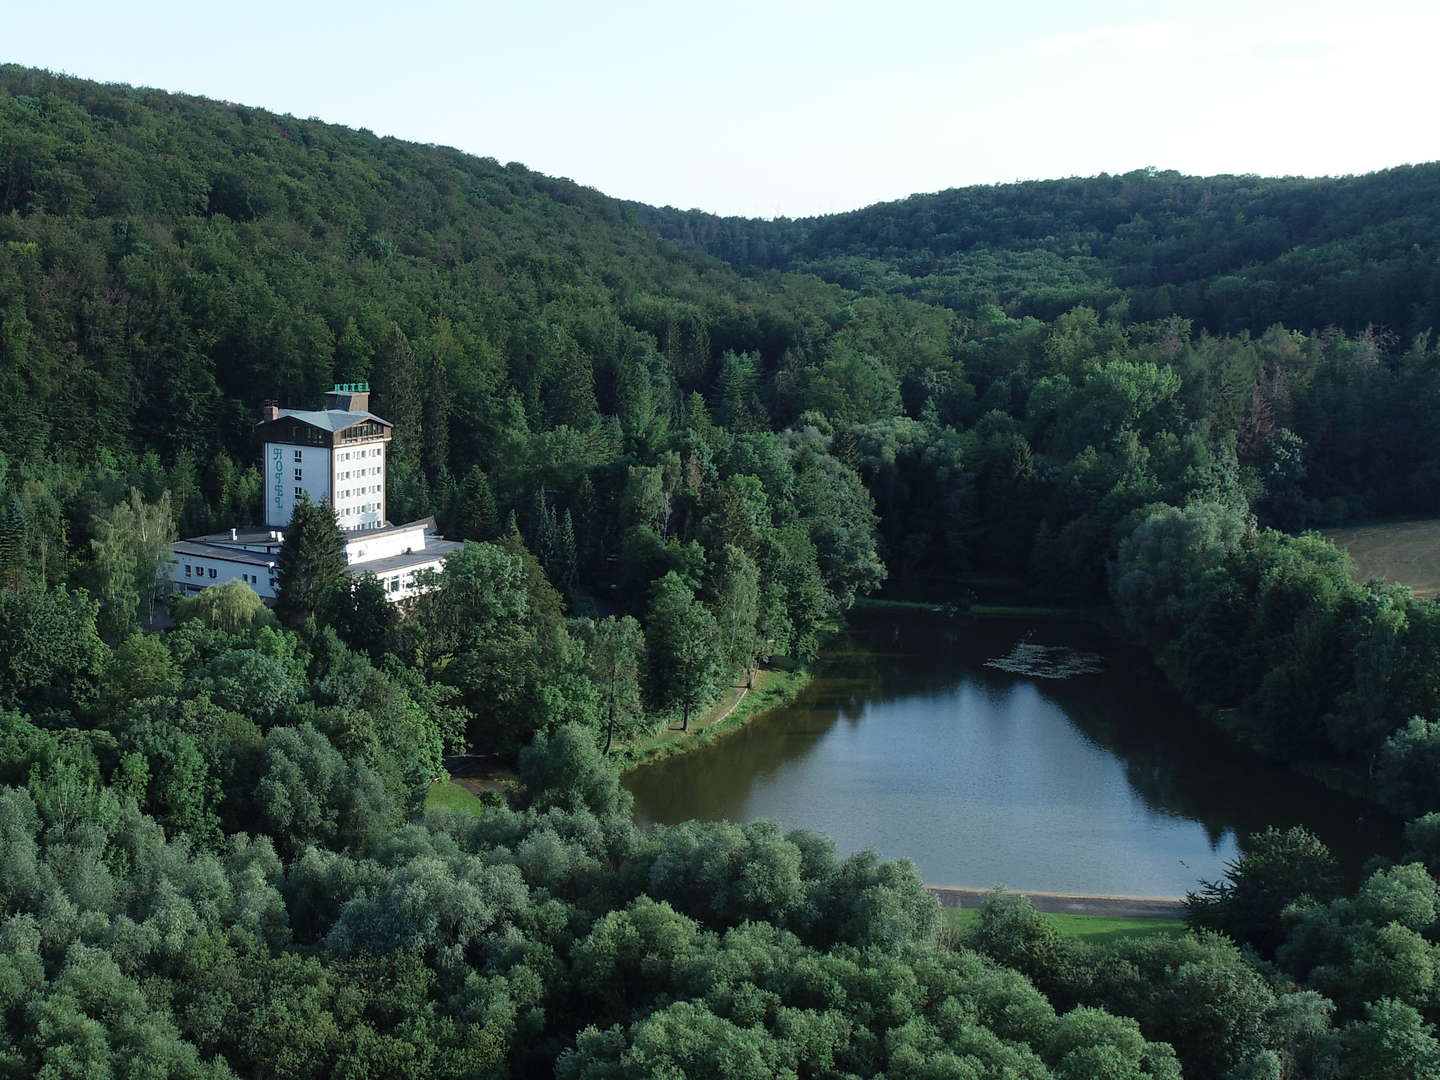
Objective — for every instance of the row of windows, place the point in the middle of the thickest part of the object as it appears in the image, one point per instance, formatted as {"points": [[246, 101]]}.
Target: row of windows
{"points": [[373, 471], [350, 455], [395, 582], [360, 431], [298, 432], [365, 508], [352, 493], [202, 571]]}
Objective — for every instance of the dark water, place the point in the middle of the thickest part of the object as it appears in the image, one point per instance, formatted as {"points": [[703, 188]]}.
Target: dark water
{"points": [[1096, 783]]}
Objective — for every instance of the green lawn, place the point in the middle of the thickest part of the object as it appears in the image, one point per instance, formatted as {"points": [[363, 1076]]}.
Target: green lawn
{"points": [[448, 795], [1094, 928]]}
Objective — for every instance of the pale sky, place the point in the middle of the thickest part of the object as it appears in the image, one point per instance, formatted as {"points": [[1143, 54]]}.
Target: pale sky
{"points": [[796, 107]]}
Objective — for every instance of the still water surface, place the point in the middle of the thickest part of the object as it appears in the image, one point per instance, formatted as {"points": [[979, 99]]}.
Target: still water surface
{"points": [[907, 743]]}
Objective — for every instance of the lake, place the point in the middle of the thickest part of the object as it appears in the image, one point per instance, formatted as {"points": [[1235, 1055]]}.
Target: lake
{"points": [[1098, 781]]}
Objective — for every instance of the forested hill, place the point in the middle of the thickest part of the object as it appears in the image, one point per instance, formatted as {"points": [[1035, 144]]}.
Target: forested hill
{"points": [[169, 260], [668, 470], [1232, 252]]}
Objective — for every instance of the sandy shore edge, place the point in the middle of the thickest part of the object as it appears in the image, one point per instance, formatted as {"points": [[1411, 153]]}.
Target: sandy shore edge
{"points": [[1116, 907]]}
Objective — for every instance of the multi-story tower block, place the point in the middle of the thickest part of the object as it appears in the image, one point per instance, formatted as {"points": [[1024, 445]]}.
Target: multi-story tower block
{"points": [[334, 455]]}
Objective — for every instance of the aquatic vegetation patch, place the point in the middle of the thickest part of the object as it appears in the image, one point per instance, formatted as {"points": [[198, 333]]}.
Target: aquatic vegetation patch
{"points": [[1047, 661]]}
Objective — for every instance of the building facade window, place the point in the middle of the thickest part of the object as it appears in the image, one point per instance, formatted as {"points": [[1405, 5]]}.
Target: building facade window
{"points": [[212, 572], [299, 455]]}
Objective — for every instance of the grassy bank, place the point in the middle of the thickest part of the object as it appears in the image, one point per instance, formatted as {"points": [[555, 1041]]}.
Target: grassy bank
{"points": [[773, 687], [1094, 928]]}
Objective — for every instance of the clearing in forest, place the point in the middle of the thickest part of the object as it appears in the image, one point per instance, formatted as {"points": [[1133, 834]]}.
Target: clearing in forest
{"points": [[1403, 551]]}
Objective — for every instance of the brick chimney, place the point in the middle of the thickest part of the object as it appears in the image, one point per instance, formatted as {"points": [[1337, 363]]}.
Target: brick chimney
{"points": [[270, 411]]}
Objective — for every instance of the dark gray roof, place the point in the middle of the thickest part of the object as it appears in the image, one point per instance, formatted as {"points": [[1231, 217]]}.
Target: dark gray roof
{"points": [[225, 552], [329, 419], [251, 535], [435, 549]]}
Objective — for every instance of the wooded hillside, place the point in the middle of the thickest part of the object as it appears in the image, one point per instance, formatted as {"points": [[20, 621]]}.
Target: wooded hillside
{"points": [[1129, 391], [1233, 253]]}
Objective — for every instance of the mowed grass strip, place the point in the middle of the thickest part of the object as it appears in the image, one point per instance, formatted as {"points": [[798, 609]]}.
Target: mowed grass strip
{"points": [[448, 795], [1093, 928], [1407, 552]]}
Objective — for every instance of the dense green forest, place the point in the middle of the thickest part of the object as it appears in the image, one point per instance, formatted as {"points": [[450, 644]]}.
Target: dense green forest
{"points": [[1232, 253], [678, 447]]}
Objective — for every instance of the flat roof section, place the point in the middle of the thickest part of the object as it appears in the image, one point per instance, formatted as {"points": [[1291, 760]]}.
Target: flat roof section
{"points": [[224, 553], [248, 536], [252, 535], [431, 552], [428, 524]]}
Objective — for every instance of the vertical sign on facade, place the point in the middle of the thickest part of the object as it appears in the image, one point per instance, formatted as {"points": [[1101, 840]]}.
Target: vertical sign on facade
{"points": [[277, 463]]}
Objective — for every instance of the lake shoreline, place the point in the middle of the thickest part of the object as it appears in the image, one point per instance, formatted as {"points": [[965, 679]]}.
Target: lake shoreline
{"points": [[790, 683], [782, 689], [1115, 907], [912, 741]]}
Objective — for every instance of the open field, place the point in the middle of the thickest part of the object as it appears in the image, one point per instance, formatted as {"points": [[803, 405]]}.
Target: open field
{"points": [[1095, 928], [1403, 551]]}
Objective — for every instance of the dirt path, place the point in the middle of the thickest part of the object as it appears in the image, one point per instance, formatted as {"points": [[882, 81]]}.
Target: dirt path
{"points": [[1116, 907], [733, 705]]}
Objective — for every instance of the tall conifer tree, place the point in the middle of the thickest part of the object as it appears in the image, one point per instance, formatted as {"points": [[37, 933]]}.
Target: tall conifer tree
{"points": [[311, 570]]}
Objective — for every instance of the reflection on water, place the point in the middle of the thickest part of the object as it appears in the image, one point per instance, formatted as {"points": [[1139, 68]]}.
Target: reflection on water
{"points": [[909, 744]]}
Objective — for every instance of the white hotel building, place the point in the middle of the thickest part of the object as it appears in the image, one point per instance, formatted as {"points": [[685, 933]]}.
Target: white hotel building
{"points": [[334, 455]]}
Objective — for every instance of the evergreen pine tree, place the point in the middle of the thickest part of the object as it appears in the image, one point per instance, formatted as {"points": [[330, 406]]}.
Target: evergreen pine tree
{"points": [[401, 398], [443, 350], [590, 526], [311, 568], [545, 535], [475, 516], [568, 558], [13, 530]]}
